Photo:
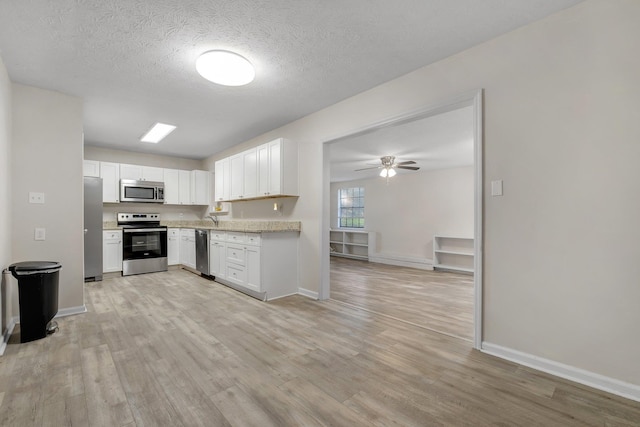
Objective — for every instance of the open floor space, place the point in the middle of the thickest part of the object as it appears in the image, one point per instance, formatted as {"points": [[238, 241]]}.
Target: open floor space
{"points": [[176, 349], [437, 300]]}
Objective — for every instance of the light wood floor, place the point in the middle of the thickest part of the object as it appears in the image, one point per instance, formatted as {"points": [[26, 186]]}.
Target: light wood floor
{"points": [[173, 349], [436, 300]]}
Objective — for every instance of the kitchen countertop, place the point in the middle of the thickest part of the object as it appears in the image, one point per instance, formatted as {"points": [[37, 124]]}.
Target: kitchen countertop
{"points": [[233, 225]]}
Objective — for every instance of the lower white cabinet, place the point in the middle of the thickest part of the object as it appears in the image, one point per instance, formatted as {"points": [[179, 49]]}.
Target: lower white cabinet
{"points": [[263, 265], [111, 251], [188, 247], [217, 254], [173, 246]]}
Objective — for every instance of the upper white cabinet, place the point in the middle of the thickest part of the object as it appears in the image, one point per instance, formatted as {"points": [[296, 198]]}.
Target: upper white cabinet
{"points": [[141, 173], [91, 168], [244, 175], [181, 187], [172, 186], [269, 170], [278, 168], [222, 179], [110, 174], [199, 187], [184, 187]]}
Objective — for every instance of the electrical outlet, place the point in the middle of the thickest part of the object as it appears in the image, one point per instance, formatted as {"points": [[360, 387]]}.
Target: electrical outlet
{"points": [[36, 197], [39, 234]]}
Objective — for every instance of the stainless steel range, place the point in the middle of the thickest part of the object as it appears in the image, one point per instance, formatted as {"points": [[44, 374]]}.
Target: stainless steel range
{"points": [[144, 248]]}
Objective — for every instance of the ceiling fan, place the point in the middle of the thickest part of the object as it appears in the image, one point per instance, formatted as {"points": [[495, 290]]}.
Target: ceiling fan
{"points": [[388, 165]]}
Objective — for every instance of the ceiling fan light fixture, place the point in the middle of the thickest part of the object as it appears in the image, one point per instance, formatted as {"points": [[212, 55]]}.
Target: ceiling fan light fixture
{"points": [[391, 173], [384, 172], [225, 68]]}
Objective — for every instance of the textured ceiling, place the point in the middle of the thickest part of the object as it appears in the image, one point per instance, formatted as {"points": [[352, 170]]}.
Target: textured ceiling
{"points": [[436, 142], [133, 61]]}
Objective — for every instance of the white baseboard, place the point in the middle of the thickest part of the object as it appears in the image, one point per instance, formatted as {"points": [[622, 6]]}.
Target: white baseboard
{"points": [[591, 379], [419, 263], [7, 335], [70, 311], [307, 293]]}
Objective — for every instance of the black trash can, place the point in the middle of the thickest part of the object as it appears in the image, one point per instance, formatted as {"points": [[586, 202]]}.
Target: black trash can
{"points": [[38, 295]]}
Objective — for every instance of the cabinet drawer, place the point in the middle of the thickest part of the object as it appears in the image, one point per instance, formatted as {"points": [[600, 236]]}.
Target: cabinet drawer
{"points": [[253, 239], [236, 237], [218, 235], [236, 254], [111, 235], [236, 274]]}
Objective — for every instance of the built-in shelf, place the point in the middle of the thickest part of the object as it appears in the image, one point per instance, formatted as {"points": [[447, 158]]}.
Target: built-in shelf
{"points": [[351, 243], [453, 253]]}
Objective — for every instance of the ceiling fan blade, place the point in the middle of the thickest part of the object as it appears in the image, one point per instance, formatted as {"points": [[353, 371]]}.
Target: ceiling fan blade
{"points": [[413, 168], [364, 169], [408, 162]]}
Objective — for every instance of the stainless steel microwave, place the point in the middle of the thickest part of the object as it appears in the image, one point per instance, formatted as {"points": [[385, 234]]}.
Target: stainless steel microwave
{"points": [[132, 190]]}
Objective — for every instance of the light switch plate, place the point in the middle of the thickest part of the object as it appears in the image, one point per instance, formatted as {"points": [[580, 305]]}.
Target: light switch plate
{"points": [[36, 197], [39, 234], [496, 188]]}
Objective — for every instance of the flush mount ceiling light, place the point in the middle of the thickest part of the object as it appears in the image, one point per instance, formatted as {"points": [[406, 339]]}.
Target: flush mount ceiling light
{"points": [[225, 68], [157, 133]]}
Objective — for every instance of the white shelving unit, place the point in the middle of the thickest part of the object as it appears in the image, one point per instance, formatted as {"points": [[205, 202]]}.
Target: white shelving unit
{"points": [[453, 253], [351, 243]]}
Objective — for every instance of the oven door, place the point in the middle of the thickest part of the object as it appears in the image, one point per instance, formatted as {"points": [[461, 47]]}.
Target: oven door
{"points": [[144, 243]]}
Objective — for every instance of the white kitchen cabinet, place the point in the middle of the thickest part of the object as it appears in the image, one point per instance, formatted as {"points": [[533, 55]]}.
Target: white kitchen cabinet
{"points": [[111, 251], [244, 175], [269, 170], [278, 168], [222, 180], [199, 187], [171, 186], [217, 254], [252, 259], [91, 168], [236, 177], [110, 174], [188, 247], [263, 265], [141, 173], [184, 187], [173, 246]]}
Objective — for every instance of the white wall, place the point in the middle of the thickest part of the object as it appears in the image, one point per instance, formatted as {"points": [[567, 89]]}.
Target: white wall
{"points": [[47, 158], [561, 128], [407, 211], [144, 159], [5, 195]]}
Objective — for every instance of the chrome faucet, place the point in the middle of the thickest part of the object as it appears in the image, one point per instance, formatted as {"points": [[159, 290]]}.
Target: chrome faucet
{"points": [[214, 219]]}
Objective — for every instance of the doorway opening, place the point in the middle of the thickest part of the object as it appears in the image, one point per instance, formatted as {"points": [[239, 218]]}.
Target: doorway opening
{"points": [[413, 220]]}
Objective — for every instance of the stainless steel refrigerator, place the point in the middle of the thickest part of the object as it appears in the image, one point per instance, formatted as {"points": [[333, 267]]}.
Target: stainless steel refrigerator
{"points": [[92, 228]]}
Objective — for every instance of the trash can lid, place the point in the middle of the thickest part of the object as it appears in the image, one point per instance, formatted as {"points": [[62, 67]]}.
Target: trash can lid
{"points": [[34, 267]]}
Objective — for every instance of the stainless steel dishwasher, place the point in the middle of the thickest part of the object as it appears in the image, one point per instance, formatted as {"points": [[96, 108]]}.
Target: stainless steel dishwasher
{"points": [[202, 251]]}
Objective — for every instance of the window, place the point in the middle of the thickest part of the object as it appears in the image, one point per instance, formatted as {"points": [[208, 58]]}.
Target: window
{"points": [[351, 207]]}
